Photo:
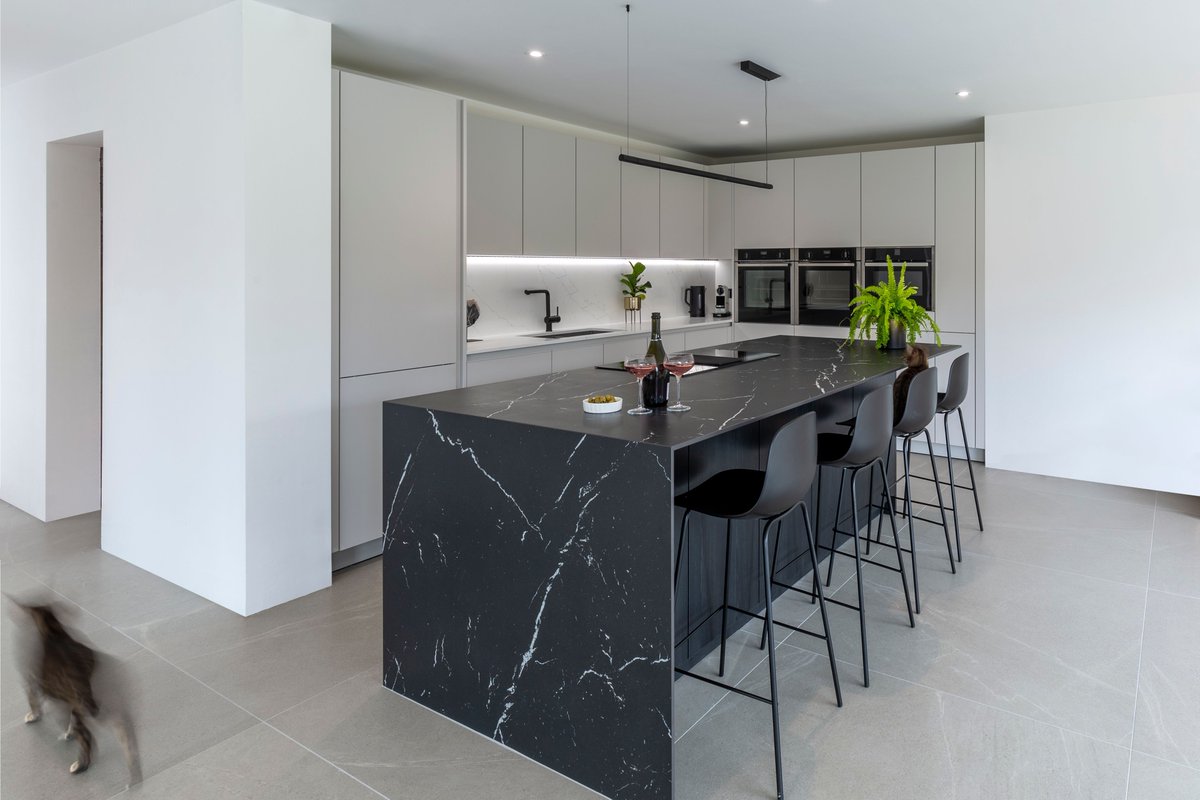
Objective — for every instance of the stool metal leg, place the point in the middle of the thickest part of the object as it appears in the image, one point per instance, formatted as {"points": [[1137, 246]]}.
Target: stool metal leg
{"points": [[770, 625], [837, 516], [725, 599], [941, 505], [679, 550], [953, 493], [817, 532], [912, 539], [812, 554], [862, 607], [970, 469], [912, 623]]}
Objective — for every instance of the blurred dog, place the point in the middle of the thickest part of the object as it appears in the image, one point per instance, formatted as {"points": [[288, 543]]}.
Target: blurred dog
{"points": [[56, 666]]}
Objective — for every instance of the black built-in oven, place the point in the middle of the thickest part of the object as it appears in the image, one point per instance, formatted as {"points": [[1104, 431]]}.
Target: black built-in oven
{"points": [[918, 273], [765, 287], [825, 278]]}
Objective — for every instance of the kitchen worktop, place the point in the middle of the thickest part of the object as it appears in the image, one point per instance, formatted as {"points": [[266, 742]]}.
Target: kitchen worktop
{"points": [[806, 369], [614, 330]]}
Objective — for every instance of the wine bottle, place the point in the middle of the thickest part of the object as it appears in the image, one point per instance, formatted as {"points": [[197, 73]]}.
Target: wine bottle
{"points": [[657, 385]]}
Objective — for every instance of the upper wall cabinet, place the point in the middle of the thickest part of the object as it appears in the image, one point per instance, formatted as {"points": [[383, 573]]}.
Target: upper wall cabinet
{"points": [[897, 197], [681, 213], [718, 215], [639, 209], [549, 193], [494, 179], [954, 268], [828, 201], [764, 217], [400, 227], [597, 198]]}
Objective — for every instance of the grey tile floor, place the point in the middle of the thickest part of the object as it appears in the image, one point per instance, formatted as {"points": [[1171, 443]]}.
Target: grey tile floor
{"points": [[1062, 661]]}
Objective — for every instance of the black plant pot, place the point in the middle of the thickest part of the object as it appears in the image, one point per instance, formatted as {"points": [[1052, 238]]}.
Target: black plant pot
{"points": [[897, 336]]}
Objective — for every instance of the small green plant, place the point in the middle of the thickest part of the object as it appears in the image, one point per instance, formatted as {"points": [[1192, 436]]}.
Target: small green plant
{"points": [[877, 307], [630, 281]]}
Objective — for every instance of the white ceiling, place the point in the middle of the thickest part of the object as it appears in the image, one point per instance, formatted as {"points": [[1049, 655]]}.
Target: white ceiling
{"points": [[854, 71]]}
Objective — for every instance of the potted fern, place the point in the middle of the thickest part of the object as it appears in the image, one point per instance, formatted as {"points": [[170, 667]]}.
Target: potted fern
{"points": [[635, 290], [888, 310]]}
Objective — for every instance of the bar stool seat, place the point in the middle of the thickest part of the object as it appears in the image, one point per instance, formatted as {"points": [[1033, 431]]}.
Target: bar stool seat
{"points": [[764, 496]]}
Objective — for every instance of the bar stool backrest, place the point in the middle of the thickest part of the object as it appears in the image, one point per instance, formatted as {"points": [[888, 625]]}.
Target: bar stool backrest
{"points": [[872, 428], [791, 465], [957, 384], [921, 403]]}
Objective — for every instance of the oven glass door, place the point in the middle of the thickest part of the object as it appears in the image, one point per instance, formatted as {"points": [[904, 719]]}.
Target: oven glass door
{"points": [[765, 293], [826, 287], [915, 275]]}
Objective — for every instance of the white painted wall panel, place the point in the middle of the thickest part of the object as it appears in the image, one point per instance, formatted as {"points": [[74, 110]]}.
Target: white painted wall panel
{"points": [[1089, 214]]}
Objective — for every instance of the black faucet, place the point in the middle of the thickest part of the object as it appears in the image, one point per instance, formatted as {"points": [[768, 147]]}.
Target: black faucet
{"points": [[549, 319]]}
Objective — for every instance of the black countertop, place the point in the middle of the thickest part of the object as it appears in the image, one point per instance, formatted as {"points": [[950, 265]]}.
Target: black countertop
{"points": [[807, 369]]}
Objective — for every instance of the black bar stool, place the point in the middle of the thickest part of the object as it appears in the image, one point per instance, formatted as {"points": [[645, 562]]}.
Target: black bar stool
{"points": [[950, 401], [765, 496], [919, 409], [864, 448]]}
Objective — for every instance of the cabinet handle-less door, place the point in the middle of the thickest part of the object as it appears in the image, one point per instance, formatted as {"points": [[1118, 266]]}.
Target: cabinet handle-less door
{"points": [[399, 227]]}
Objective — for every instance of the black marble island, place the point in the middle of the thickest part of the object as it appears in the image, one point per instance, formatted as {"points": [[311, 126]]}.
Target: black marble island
{"points": [[528, 548]]}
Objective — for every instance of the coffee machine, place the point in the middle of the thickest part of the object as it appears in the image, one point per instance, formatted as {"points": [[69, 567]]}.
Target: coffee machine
{"points": [[722, 302], [693, 297]]}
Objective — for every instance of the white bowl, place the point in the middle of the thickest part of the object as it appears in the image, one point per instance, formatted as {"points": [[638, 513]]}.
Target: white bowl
{"points": [[602, 408]]}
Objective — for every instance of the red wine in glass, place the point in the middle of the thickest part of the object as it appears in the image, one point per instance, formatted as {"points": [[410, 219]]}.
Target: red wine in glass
{"points": [[679, 364], [640, 368]]}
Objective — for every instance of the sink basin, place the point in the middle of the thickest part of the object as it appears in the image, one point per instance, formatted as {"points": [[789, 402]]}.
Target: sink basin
{"points": [[569, 334]]}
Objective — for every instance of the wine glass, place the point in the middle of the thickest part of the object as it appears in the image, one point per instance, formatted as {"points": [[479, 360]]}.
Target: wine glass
{"points": [[679, 364], [640, 368]]}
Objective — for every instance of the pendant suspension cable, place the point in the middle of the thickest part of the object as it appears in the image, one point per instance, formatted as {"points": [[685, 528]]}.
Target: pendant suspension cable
{"points": [[627, 77]]}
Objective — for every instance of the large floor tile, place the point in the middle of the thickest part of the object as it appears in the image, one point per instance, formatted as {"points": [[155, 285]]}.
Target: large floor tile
{"points": [[24, 538], [257, 764], [1168, 725], [404, 750], [1053, 646], [1084, 490], [894, 740], [1175, 561], [1155, 779], [174, 717]]}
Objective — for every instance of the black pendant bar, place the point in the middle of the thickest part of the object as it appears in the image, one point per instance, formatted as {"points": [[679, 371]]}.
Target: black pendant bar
{"points": [[645, 162]]}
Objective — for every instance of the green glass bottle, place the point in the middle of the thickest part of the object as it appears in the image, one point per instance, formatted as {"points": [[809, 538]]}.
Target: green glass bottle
{"points": [[656, 387]]}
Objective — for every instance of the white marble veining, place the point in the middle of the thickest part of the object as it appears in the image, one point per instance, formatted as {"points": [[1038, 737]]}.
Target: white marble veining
{"points": [[587, 292]]}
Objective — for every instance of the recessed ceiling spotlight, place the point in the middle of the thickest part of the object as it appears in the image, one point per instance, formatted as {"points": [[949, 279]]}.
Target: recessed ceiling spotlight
{"points": [[536, 54], [963, 93], [743, 122]]}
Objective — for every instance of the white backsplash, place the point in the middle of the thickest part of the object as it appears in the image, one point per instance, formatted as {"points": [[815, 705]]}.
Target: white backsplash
{"points": [[586, 291]]}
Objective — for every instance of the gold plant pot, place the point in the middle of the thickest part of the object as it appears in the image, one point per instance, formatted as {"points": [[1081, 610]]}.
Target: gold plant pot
{"points": [[633, 303]]}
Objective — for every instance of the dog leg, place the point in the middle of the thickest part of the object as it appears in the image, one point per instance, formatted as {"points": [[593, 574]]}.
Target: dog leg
{"points": [[85, 742], [35, 703]]}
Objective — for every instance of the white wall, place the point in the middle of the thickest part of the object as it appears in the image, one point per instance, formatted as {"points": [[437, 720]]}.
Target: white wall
{"points": [[1093, 360], [205, 375], [72, 329]]}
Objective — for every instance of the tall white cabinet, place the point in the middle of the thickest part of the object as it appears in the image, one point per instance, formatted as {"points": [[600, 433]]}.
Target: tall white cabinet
{"points": [[765, 217], [897, 197], [399, 264]]}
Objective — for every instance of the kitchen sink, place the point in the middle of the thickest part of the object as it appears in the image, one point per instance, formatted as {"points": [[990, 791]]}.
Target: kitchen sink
{"points": [[569, 334]]}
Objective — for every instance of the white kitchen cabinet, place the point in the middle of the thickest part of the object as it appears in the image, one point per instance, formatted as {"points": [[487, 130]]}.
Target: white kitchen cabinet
{"points": [[978, 371], [758, 330], [765, 217], [828, 198], [898, 197], [631, 346], [718, 215], [681, 213], [400, 236], [576, 356], [507, 365], [597, 198], [495, 156], [361, 444], [707, 337], [954, 238], [966, 344], [639, 209], [549, 193]]}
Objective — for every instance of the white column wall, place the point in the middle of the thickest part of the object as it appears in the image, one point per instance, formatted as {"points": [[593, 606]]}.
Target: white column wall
{"points": [[1093, 366], [194, 288], [288, 305]]}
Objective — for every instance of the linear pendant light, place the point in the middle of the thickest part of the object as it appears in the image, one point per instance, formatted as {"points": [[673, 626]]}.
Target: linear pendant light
{"points": [[750, 68]]}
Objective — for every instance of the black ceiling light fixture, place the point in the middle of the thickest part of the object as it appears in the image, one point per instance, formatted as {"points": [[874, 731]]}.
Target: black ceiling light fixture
{"points": [[750, 68]]}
